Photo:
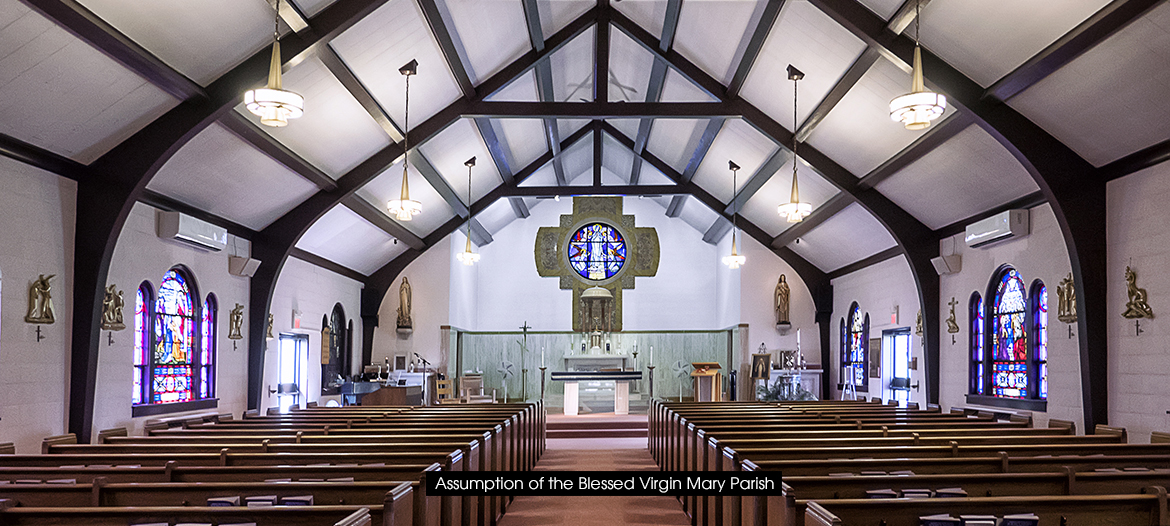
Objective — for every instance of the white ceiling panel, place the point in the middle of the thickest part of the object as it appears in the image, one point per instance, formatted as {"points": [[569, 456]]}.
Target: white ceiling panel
{"points": [[545, 176], [567, 127], [697, 214], [608, 177], [616, 158], [712, 34], [217, 172], [807, 38], [883, 8], [578, 161], [311, 7], [674, 143], [454, 146], [738, 141], [761, 208], [493, 34], [652, 176], [627, 126], [345, 238], [556, 14], [629, 69], [523, 89], [202, 40], [988, 39], [1111, 101], [859, 133], [60, 94], [849, 236], [678, 89], [496, 216], [335, 134], [572, 69], [649, 14], [525, 138], [967, 175], [388, 186], [386, 40]]}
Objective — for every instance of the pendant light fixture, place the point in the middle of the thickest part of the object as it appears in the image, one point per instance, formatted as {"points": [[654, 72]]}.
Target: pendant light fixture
{"points": [[404, 207], [794, 210], [273, 104], [917, 108], [467, 257], [735, 260]]}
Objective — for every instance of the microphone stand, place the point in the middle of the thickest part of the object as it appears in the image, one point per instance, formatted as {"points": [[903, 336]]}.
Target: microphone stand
{"points": [[424, 382]]}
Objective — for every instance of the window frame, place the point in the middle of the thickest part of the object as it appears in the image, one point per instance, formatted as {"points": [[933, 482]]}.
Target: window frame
{"points": [[976, 366], [1032, 402], [846, 339]]}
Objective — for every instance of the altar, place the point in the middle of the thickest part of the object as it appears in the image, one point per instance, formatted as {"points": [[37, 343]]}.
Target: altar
{"points": [[596, 362], [621, 379]]}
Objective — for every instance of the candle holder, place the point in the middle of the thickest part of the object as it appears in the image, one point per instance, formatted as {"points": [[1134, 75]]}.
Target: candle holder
{"points": [[542, 382], [650, 375]]}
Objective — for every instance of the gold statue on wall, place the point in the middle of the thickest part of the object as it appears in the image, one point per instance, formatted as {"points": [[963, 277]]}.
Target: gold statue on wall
{"points": [[112, 306], [404, 321], [918, 323], [952, 324], [236, 323], [1066, 308], [1136, 307], [40, 302], [781, 297], [270, 322]]}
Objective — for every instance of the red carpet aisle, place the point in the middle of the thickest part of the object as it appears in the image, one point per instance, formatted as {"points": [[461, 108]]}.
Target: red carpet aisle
{"points": [[601, 454]]}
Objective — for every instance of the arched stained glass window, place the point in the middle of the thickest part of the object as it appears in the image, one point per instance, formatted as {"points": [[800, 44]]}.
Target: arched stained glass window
{"points": [[855, 349], [207, 348], [334, 370], [1040, 323], [142, 304], [1009, 339], [977, 367], [597, 251], [174, 348]]}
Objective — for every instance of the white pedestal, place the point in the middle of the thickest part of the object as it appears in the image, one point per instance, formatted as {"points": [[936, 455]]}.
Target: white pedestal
{"points": [[571, 400], [621, 398]]}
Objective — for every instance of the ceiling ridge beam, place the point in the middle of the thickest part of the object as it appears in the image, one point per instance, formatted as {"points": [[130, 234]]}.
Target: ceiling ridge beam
{"points": [[163, 202], [846, 83], [41, 158], [758, 179], [327, 264], [1031, 200], [867, 262], [249, 132], [924, 144], [1106, 22], [581, 190], [755, 43], [821, 214], [374, 215], [1137, 161], [449, 45], [91, 29]]}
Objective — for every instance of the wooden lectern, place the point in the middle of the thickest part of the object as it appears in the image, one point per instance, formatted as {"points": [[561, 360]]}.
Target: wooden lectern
{"points": [[708, 382]]}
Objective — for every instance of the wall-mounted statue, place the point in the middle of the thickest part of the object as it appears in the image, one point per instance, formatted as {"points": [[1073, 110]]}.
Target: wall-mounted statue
{"points": [[236, 323], [1066, 309], [112, 306], [918, 323], [781, 296], [1136, 307], [40, 301], [404, 321], [270, 322], [952, 323]]}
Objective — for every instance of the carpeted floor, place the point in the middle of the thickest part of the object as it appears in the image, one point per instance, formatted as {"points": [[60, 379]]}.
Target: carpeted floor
{"points": [[600, 454]]}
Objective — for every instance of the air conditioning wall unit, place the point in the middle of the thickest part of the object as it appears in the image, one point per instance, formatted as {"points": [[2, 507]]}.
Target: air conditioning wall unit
{"points": [[1004, 225], [190, 230]]}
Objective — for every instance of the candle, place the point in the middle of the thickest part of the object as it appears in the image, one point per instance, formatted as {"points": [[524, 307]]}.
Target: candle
{"points": [[542, 356], [797, 339], [651, 362]]}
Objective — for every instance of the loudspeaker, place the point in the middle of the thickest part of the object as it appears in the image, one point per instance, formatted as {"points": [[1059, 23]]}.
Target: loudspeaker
{"points": [[246, 267], [947, 264]]}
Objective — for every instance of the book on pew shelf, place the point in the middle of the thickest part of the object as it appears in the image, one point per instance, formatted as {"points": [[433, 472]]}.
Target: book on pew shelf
{"points": [[1135, 469], [950, 493], [881, 494], [340, 479], [917, 493], [298, 500], [310, 480], [238, 524], [151, 524], [1020, 519], [903, 473], [128, 466], [1107, 470], [216, 502], [376, 465], [5, 482], [979, 520], [77, 466], [258, 501], [873, 473], [194, 524], [100, 466], [842, 474], [61, 481], [277, 480], [28, 481], [941, 519]]}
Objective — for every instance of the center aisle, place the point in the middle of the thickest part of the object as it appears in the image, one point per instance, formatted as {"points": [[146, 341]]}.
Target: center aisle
{"points": [[595, 454]]}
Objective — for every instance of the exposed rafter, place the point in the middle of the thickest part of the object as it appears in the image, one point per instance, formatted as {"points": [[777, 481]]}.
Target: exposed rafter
{"points": [[758, 179], [700, 153], [905, 15], [657, 83], [251, 133], [924, 144], [449, 45], [436, 180], [26, 153], [819, 215], [544, 87], [1094, 30], [327, 264], [96, 32], [342, 72], [1139, 160], [498, 149], [870, 261], [755, 43], [843, 85], [374, 214]]}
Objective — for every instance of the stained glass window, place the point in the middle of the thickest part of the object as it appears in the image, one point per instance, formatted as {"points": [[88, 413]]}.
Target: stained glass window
{"points": [[597, 251], [1040, 321], [207, 349], [141, 341], [855, 348], [174, 337], [977, 363], [1009, 340]]}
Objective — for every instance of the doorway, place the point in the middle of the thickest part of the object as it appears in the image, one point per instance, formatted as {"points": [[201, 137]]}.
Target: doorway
{"points": [[293, 350], [898, 341]]}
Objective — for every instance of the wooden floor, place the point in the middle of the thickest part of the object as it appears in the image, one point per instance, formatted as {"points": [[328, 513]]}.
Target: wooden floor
{"points": [[600, 454]]}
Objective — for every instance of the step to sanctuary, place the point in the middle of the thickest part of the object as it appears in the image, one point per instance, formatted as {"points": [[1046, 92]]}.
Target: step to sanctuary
{"points": [[597, 425]]}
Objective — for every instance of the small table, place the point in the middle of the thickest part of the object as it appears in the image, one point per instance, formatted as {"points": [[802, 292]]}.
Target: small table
{"points": [[621, 395]]}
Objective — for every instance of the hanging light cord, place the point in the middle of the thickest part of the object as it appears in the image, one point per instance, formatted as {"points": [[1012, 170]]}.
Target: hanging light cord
{"points": [[406, 131], [469, 201], [276, 22], [794, 138]]}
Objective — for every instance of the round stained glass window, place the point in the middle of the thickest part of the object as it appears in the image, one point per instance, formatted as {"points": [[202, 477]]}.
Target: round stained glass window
{"points": [[597, 251]]}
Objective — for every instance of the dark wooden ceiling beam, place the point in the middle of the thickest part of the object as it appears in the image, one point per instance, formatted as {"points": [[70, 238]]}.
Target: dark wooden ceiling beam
{"points": [[680, 64], [375, 216], [905, 15], [342, 72], [1106, 22], [705, 140], [36, 156], [657, 83], [924, 144], [1139, 160], [90, 28], [759, 34], [852, 75], [867, 262], [448, 45], [327, 264], [251, 133], [436, 180], [498, 149], [590, 190], [544, 87], [819, 215], [758, 179]]}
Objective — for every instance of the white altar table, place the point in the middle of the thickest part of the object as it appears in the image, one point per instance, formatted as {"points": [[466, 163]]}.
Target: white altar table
{"points": [[621, 379]]}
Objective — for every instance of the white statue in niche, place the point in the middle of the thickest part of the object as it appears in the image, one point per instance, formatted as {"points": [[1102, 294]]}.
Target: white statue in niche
{"points": [[404, 299], [781, 296]]}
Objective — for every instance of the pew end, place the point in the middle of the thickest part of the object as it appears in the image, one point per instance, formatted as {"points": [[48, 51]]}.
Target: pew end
{"points": [[1103, 429], [1160, 437], [105, 434], [358, 518], [816, 515], [7, 448], [68, 438], [1063, 424]]}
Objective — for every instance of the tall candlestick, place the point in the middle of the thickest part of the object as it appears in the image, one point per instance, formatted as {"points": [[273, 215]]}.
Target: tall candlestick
{"points": [[542, 356], [651, 355], [797, 339]]}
